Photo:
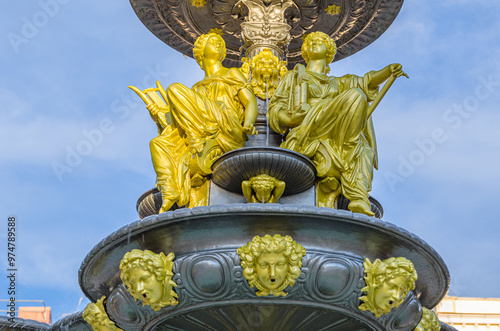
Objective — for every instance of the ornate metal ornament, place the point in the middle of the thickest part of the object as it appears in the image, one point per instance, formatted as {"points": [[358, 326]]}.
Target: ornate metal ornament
{"points": [[148, 277], [388, 283], [178, 23], [211, 282], [96, 316], [198, 3], [227, 227], [265, 24], [333, 10]]}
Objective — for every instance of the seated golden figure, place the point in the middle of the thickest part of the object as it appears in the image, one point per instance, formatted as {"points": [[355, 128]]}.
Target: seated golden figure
{"points": [[271, 263], [327, 120], [388, 283], [96, 316], [148, 277], [205, 121]]}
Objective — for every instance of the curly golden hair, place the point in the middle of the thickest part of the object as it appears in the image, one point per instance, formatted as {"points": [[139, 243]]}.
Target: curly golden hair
{"points": [[331, 47], [199, 47], [146, 260]]}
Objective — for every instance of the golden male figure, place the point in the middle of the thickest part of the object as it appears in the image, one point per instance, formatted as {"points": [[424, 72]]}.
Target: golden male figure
{"points": [[327, 120], [209, 119]]}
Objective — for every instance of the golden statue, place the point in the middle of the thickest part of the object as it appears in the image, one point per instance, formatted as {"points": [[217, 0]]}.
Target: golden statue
{"points": [[388, 283], [148, 277], [328, 119], [198, 125], [429, 321], [96, 316], [271, 263], [263, 188]]}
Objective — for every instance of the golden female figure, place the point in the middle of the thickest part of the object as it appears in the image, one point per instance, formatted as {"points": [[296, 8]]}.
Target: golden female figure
{"points": [[208, 122], [329, 122]]}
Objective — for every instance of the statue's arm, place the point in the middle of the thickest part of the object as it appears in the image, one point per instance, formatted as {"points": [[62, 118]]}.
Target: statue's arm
{"points": [[380, 76], [247, 99], [280, 119], [246, 187]]}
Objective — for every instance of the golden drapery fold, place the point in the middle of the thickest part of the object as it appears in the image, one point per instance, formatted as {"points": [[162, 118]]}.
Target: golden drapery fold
{"points": [[210, 110]]}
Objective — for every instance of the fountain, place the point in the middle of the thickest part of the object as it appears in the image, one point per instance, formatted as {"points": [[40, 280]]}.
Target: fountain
{"points": [[277, 232]]}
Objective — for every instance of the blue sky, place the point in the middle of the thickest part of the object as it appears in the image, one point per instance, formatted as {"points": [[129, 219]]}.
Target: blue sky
{"points": [[63, 90]]}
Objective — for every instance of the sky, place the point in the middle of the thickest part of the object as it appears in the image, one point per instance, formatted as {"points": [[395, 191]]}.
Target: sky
{"points": [[74, 153]]}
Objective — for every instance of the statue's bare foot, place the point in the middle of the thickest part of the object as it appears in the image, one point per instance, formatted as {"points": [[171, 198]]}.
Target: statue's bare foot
{"points": [[359, 206], [196, 147], [328, 190], [330, 184], [167, 204]]}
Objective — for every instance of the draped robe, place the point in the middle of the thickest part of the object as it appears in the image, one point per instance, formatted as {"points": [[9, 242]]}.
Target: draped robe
{"points": [[209, 110], [335, 133]]}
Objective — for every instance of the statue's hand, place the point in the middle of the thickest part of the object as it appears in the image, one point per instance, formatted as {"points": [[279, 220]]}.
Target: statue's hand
{"points": [[153, 109], [249, 129], [397, 70], [196, 147], [298, 116]]}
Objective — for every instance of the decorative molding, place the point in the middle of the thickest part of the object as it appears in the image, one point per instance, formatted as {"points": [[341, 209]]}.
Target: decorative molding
{"points": [[178, 24]]}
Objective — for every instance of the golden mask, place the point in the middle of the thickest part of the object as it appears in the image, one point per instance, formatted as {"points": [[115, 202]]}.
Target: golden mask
{"points": [[148, 277], [388, 283], [271, 263]]}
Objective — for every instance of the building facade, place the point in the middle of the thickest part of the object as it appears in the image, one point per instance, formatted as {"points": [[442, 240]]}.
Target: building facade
{"points": [[470, 313]]}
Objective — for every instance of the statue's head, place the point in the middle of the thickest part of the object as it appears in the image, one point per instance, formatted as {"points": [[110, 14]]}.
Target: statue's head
{"points": [[96, 316], [319, 44], [209, 45], [148, 277], [388, 283], [271, 263]]}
